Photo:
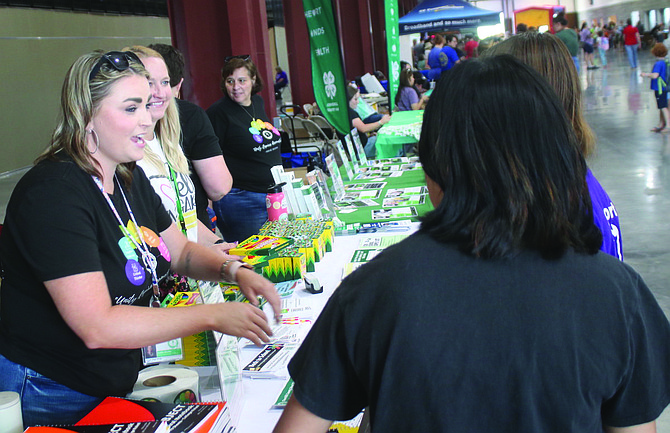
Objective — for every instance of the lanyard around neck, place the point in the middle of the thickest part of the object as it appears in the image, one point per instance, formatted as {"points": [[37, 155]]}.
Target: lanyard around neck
{"points": [[149, 260], [180, 213]]}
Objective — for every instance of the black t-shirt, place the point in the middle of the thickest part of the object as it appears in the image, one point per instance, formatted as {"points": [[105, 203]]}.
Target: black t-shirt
{"points": [[250, 148], [354, 115], [434, 340], [58, 224], [198, 142]]}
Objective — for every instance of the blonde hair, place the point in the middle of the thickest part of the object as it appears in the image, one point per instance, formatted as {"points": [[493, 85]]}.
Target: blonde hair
{"points": [[80, 100], [168, 129], [549, 56]]}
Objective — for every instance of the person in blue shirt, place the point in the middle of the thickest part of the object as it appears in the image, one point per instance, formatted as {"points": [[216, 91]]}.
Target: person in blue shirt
{"points": [[281, 81], [450, 53], [436, 59], [659, 84]]}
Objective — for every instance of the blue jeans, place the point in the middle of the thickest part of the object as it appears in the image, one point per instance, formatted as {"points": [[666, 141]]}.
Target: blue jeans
{"points": [[575, 59], [631, 51], [374, 117], [44, 401], [370, 148], [240, 213]]}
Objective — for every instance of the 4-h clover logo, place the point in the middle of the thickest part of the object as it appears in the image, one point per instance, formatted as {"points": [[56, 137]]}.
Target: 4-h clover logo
{"points": [[329, 82], [396, 70]]}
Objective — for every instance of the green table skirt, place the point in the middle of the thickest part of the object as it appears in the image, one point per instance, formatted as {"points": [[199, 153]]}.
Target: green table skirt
{"points": [[403, 128], [408, 179]]}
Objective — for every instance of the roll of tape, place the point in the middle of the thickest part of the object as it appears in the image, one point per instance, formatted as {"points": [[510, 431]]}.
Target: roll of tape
{"points": [[167, 384], [10, 412]]}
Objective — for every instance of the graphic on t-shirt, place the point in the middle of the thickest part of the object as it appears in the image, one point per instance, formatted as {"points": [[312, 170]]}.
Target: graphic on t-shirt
{"points": [[262, 130], [135, 272], [613, 219], [128, 244]]}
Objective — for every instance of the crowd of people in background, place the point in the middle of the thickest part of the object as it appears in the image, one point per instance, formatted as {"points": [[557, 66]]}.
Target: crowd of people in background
{"points": [[123, 134]]}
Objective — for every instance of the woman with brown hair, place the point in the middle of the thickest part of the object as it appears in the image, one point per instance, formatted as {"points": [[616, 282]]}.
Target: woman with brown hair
{"points": [[250, 145], [407, 98], [550, 57]]}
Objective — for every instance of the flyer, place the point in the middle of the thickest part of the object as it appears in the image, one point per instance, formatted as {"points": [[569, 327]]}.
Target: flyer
{"points": [[394, 212]]}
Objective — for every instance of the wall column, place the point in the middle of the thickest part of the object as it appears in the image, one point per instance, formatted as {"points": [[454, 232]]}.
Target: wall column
{"points": [[297, 45], [207, 31]]}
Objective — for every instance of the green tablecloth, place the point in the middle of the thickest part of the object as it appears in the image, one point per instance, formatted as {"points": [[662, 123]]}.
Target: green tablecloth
{"points": [[403, 128], [408, 179]]}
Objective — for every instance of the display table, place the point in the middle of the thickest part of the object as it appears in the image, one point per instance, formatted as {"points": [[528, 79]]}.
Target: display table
{"points": [[257, 412], [408, 179], [379, 103], [259, 395], [403, 128]]}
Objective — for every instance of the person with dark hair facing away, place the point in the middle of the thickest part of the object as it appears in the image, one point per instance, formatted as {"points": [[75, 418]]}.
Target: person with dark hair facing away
{"points": [[659, 85], [521, 28], [548, 56], [407, 98], [516, 323], [632, 42], [209, 172], [568, 36], [250, 145]]}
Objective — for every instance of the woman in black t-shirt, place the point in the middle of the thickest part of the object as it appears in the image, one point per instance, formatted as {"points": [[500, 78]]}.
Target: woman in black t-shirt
{"points": [[250, 145], [78, 283]]}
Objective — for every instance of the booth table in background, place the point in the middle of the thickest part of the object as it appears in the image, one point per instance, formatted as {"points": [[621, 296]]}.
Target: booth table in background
{"points": [[408, 179], [379, 103], [403, 128]]}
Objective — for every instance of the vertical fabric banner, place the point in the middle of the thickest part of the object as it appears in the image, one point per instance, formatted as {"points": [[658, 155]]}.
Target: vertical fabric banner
{"points": [[328, 80], [392, 47]]}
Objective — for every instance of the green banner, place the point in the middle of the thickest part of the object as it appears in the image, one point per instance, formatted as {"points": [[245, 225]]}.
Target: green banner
{"points": [[392, 47], [328, 79]]}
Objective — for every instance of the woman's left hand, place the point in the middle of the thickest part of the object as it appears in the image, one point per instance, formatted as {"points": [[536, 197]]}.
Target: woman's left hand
{"points": [[224, 247], [254, 285]]}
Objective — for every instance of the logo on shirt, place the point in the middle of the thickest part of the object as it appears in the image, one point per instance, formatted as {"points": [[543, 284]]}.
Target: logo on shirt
{"points": [[262, 130]]}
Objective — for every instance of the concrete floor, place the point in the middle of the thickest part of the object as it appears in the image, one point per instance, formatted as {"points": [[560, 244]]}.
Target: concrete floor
{"points": [[632, 164]]}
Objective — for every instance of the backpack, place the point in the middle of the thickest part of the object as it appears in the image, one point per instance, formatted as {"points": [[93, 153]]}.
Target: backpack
{"points": [[662, 83]]}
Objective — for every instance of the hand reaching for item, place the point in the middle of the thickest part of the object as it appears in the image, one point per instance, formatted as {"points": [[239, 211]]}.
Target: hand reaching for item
{"points": [[242, 320], [254, 285]]}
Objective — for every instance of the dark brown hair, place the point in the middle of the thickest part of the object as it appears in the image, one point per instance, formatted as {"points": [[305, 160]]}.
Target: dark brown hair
{"points": [[236, 63], [507, 187]]}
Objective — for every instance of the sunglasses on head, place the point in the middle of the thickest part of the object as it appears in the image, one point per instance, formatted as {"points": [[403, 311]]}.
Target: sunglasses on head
{"points": [[119, 60], [243, 57]]}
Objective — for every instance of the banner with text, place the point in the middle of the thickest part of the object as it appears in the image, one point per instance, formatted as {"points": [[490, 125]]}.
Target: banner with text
{"points": [[328, 80], [392, 47]]}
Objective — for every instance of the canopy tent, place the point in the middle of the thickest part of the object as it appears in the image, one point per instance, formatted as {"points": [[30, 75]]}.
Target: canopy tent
{"points": [[438, 15]]}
